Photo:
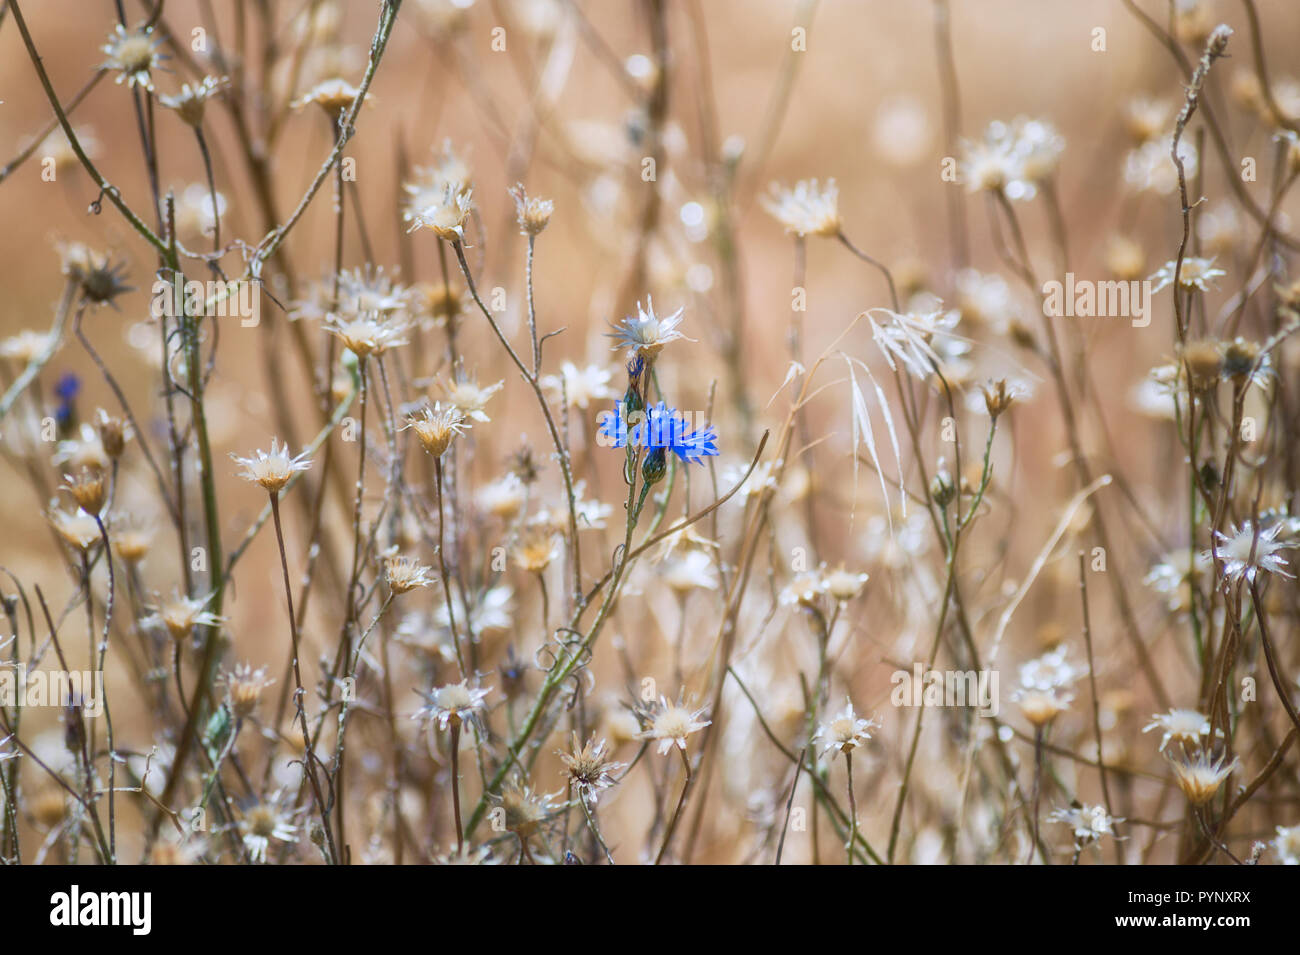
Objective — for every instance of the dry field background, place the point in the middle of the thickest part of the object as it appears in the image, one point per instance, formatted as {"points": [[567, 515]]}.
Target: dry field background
{"points": [[714, 663]]}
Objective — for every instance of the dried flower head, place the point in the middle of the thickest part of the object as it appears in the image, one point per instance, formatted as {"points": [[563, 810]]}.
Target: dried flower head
{"points": [[436, 426], [1287, 844], [371, 291], [671, 723], [525, 810], [588, 767], [272, 470], [523, 464], [436, 302], [998, 397], [244, 688], [533, 213], [431, 183], [264, 822], [404, 574], [26, 346], [447, 216], [580, 386], [466, 394], [1240, 360], [179, 615], [1196, 273], [1184, 726], [1199, 776], [453, 704], [134, 54], [1203, 360], [1040, 707], [693, 570], [806, 209], [503, 497], [114, 432], [647, 334], [1245, 553], [131, 538], [78, 530], [1147, 119], [536, 548], [1089, 823], [88, 488], [335, 96], [366, 335], [845, 584], [846, 732], [97, 277], [191, 101]]}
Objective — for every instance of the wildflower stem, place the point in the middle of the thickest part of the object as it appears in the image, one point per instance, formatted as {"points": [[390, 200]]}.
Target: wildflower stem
{"points": [[853, 808], [455, 782], [1038, 786], [532, 308], [681, 801], [108, 716], [595, 830], [534, 382], [442, 571], [212, 194], [105, 188], [1279, 682], [889, 277], [40, 137], [1096, 703], [299, 692]]}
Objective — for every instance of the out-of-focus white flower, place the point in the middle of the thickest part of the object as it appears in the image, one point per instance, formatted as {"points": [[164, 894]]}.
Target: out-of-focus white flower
{"points": [[806, 209], [1245, 554], [1089, 823], [1184, 726], [1197, 273], [1150, 168], [581, 386], [1287, 845], [846, 732]]}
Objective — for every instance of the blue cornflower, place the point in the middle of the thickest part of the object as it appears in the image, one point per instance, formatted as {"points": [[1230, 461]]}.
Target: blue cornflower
{"points": [[65, 413], [660, 427], [67, 386]]}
